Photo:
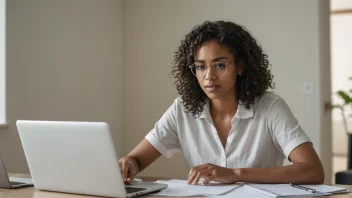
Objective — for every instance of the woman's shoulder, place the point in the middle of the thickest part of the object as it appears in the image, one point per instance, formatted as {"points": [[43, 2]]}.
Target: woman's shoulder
{"points": [[179, 107], [178, 99], [272, 102], [178, 103], [268, 98]]}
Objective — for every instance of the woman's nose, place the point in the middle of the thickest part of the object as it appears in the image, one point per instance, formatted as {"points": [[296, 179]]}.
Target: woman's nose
{"points": [[210, 74]]}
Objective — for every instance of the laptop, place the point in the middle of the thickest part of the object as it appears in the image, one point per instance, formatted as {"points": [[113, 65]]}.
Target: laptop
{"points": [[76, 157], [12, 182]]}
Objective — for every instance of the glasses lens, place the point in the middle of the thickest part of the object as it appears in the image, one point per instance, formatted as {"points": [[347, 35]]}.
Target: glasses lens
{"points": [[192, 67], [219, 68], [198, 70]]}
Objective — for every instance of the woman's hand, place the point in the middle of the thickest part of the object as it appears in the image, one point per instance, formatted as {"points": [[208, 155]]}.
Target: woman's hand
{"points": [[129, 168], [211, 172]]}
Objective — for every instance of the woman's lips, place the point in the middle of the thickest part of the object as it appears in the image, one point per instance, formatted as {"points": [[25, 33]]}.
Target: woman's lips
{"points": [[211, 88]]}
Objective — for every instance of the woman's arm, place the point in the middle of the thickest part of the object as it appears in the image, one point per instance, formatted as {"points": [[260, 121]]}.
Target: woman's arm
{"points": [[145, 154], [138, 159], [285, 130], [306, 169]]}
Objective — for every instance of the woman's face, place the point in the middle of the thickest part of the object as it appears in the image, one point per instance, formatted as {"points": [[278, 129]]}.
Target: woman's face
{"points": [[213, 60]]}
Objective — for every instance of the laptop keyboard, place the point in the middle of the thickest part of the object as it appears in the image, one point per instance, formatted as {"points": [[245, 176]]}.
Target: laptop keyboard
{"points": [[133, 190]]}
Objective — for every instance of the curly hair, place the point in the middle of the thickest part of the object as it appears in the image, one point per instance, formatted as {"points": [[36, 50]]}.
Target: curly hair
{"points": [[255, 79]]}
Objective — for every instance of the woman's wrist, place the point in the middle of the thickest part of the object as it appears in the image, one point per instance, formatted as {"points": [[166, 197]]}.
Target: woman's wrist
{"points": [[237, 174], [136, 163]]}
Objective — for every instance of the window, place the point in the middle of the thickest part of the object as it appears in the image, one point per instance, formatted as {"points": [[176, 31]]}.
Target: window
{"points": [[341, 46], [2, 63]]}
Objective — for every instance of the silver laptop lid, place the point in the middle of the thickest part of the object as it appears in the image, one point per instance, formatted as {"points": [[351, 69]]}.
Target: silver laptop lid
{"points": [[74, 157]]}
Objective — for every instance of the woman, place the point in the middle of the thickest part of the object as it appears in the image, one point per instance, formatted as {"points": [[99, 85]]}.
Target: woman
{"points": [[226, 123]]}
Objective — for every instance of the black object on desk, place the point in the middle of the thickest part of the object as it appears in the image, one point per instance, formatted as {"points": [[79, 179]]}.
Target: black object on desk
{"points": [[345, 177]]}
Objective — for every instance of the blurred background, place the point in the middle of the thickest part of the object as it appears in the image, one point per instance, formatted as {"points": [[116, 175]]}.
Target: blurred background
{"points": [[110, 60]]}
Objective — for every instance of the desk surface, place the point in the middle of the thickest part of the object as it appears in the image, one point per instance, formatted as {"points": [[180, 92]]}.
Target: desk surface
{"points": [[31, 192]]}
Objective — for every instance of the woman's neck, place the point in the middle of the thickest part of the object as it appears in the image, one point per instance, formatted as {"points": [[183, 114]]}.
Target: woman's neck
{"points": [[223, 108]]}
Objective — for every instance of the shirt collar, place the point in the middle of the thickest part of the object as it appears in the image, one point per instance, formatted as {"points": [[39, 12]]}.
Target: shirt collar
{"points": [[241, 113], [206, 110]]}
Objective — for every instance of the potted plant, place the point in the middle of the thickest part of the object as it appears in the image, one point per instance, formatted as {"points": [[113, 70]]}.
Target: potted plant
{"points": [[347, 101]]}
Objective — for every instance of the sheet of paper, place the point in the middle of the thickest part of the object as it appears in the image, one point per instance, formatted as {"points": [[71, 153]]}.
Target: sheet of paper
{"points": [[243, 192], [22, 180], [282, 190], [181, 188]]}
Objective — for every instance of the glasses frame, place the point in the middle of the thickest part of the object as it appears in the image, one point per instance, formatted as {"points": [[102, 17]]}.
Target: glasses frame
{"points": [[193, 65]]}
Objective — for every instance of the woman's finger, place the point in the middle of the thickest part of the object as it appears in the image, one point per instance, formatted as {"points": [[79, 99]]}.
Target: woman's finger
{"points": [[201, 174], [208, 179], [124, 170], [120, 165], [196, 179], [200, 167], [190, 177], [131, 172], [190, 172], [194, 173]]}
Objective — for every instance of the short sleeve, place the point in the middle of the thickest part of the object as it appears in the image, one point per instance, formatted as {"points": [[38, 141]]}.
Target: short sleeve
{"points": [[164, 135], [286, 132]]}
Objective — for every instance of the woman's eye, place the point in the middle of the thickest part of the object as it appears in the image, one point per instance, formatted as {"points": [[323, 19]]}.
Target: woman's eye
{"points": [[201, 67], [220, 65]]}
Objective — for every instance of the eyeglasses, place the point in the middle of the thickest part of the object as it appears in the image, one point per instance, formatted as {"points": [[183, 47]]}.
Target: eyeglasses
{"points": [[200, 70]]}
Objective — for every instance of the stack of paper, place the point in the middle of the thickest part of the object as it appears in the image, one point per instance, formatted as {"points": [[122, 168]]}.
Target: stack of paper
{"points": [[282, 190], [327, 189], [244, 192], [181, 188]]}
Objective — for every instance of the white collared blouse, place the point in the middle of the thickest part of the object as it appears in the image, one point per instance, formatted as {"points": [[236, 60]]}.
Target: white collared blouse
{"points": [[260, 137]]}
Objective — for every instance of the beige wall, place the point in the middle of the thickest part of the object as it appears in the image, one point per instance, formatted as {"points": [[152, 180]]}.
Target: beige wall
{"points": [[64, 62], [293, 33], [2, 62]]}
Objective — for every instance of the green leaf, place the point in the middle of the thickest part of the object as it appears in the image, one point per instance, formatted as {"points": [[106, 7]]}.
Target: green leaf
{"points": [[345, 97], [350, 78]]}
